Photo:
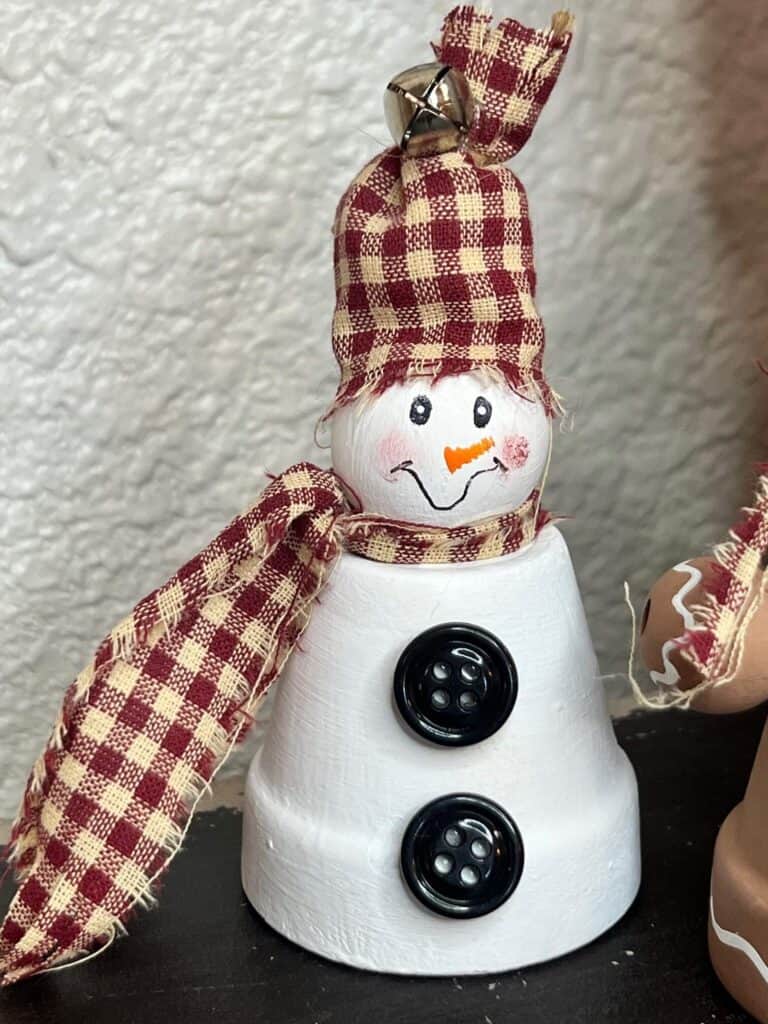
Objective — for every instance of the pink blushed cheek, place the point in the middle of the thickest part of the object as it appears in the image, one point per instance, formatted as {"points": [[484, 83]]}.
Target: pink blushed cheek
{"points": [[515, 451], [390, 452]]}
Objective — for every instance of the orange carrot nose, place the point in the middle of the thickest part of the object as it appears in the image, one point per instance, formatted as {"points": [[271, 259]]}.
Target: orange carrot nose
{"points": [[455, 458]]}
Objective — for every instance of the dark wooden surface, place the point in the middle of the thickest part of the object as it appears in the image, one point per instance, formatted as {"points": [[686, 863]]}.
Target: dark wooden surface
{"points": [[204, 955]]}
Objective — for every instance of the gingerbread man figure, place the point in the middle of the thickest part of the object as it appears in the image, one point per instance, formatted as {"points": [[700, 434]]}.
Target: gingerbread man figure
{"points": [[704, 639]]}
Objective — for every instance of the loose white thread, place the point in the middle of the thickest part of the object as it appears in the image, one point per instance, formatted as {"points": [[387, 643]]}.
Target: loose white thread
{"points": [[83, 959], [670, 699]]}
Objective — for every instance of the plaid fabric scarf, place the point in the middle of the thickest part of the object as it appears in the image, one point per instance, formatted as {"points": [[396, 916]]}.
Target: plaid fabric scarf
{"points": [[173, 688]]}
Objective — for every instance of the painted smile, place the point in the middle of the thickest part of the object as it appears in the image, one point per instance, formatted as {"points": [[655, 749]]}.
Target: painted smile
{"points": [[407, 467]]}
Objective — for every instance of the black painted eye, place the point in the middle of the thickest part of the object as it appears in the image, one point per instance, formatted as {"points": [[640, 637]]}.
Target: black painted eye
{"points": [[421, 408], [483, 412]]}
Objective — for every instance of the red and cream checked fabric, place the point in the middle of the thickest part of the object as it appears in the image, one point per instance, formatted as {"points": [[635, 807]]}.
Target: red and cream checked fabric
{"points": [[433, 255], [172, 689], [738, 585], [435, 276], [511, 71]]}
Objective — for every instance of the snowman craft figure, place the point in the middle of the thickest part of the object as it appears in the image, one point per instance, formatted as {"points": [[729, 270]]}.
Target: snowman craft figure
{"points": [[704, 638], [440, 791]]}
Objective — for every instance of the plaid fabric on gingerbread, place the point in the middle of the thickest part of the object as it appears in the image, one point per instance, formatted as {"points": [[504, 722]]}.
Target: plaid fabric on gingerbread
{"points": [[433, 255], [714, 647], [169, 693]]}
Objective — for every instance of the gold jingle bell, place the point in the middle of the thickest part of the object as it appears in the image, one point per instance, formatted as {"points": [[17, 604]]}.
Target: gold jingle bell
{"points": [[428, 109]]}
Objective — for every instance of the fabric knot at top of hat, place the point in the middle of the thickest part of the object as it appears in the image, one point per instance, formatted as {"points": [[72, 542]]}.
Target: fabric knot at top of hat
{"points": [[433, 250]]}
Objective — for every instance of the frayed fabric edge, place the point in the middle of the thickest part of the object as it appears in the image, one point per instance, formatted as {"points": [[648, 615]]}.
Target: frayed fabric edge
{"points": [[530, 387]]}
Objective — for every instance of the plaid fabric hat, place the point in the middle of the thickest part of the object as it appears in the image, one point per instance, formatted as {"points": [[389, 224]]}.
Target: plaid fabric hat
{"points": [[433, 255]]}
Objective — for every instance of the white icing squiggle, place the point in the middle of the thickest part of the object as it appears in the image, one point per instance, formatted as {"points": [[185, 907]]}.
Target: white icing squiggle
{"points": [[736, 941], [670, 676]]}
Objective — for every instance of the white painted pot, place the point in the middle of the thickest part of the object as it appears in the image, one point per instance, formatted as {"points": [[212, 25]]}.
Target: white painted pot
{"points": [[341, 775]]}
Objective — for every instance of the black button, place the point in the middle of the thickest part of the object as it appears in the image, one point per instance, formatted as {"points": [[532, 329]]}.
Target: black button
{"points": [[462, 856], [455, 684]]}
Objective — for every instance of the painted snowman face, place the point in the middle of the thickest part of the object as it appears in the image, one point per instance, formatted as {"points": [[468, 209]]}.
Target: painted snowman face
{"points": [[441, 454]]}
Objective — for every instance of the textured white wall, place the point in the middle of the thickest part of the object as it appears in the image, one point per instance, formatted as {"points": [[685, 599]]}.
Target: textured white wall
{"points": [[168, 174]]}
